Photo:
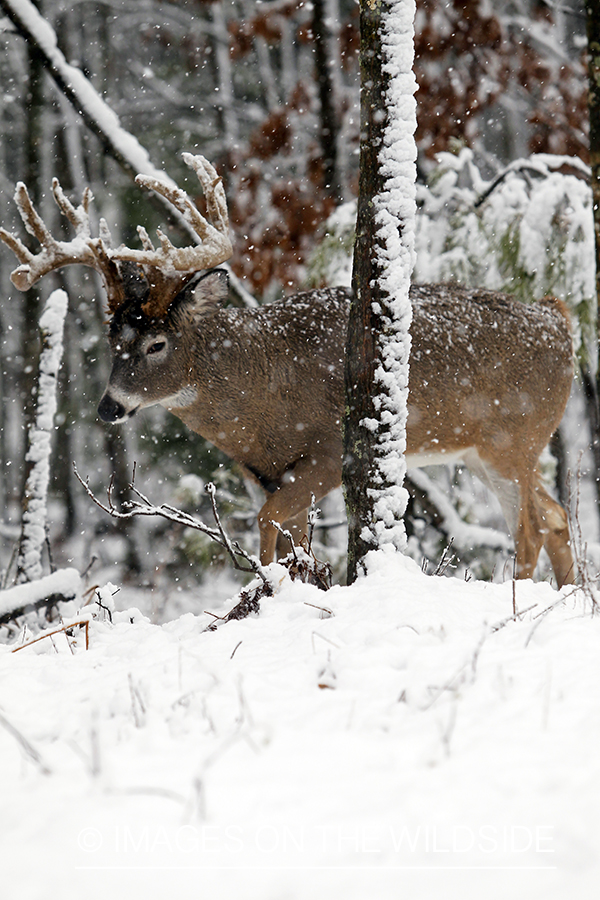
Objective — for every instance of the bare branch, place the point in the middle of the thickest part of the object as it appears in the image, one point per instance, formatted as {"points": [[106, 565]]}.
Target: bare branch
{"points": [[144, 507], [232, 547]]}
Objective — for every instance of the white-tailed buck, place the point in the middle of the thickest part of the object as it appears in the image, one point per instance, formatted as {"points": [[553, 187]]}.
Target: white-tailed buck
{"points": [[489, 376]]}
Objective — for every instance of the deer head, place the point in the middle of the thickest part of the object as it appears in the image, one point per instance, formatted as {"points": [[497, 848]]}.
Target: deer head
{"points": [[150, 291], [152, 354]]}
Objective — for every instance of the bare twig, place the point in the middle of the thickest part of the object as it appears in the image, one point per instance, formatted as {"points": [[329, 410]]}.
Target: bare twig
{"points": [[446, 559], [29, 749], [512, 618], [144, 507], [138, 707], [285, 534], [323, 609], [232, 547], [587, 582], [313, 515]]}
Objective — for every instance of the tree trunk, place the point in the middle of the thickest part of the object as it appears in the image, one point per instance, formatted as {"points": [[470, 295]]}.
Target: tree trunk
{"points": [[33, 163], [35, 500], [328, 99], [378, 342], [30, 339], [359, 448], [591, 383]]}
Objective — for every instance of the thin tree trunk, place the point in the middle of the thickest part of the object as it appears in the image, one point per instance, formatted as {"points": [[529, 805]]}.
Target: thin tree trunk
{"points": [[224, 78], [591, 384], [122, 474], [31, 303], [33, 535], [329, 101]]}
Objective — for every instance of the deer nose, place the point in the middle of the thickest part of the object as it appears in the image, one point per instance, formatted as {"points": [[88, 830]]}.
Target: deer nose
{"points": [[111, 410]]}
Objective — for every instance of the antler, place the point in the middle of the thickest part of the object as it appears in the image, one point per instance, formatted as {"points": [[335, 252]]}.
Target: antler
{"points": [[167, 269], [55, 254]]}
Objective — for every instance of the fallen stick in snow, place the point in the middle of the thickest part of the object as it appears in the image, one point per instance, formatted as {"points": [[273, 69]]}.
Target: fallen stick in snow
{"points": [[81, 623], [61, 586]]}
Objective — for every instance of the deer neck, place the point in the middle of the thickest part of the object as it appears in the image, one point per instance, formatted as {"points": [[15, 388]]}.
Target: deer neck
{"points": [[221, 371]]}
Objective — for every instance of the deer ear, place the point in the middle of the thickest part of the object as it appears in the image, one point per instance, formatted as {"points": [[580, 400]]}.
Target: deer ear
{"points": [[209, 292]]}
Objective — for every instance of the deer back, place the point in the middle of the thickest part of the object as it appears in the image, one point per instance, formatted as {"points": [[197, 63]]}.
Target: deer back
{"points": [[486, 371]]}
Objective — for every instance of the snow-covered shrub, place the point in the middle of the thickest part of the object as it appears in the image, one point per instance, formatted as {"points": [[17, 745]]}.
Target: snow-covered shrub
{"points": [[528, 231]]}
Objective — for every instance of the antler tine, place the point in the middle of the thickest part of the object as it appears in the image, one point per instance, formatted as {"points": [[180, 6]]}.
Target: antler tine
{"points": [[214, 246], [212, 186], [55, 254], [145, 238], [22, 276], [33, 222], [78, 217]]}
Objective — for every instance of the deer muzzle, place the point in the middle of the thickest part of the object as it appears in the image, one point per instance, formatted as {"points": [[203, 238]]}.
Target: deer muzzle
{"points": [[110, 410]]}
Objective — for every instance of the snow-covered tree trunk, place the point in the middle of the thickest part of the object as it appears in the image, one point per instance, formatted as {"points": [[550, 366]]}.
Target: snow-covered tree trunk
{"points": [[33, 535], [378, 338]]}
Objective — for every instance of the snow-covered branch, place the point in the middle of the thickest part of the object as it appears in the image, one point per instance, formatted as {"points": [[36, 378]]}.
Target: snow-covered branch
{"points": [[96, 113], [144, 507], [465, 535], [62, 585]]}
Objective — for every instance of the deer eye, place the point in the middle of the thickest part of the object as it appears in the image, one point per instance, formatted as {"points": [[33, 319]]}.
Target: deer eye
{"points": [[156, 347]]}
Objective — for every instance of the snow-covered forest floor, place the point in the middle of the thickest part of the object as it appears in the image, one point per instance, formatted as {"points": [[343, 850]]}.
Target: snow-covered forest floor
{"points": [[408, 736], [405, 736]]}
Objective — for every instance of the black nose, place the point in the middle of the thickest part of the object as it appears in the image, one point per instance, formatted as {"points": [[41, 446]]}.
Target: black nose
{"points": [[109, 410]]}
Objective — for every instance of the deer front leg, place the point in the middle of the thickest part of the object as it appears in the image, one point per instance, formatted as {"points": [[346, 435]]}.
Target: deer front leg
{"points": [[310, 475]]}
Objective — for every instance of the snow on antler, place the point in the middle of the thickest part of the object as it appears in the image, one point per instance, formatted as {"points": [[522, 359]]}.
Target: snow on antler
{"points": [[214, 245], [166, 268], [53, 254]]}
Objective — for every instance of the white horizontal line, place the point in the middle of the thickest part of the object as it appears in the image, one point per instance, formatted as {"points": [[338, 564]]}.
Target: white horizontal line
{"points": [[251, 868]]}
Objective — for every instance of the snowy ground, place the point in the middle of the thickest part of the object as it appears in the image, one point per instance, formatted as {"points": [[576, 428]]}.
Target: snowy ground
{"points": [[417, 742]]}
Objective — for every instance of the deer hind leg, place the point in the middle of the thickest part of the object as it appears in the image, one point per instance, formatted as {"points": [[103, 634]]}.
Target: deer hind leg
{"points": [[557, 542], [543, 523], [534, 519], [529, 537], [289, 502]]}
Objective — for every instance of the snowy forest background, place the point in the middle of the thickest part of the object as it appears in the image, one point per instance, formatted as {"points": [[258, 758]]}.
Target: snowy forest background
{"points": [[268, 92]]}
